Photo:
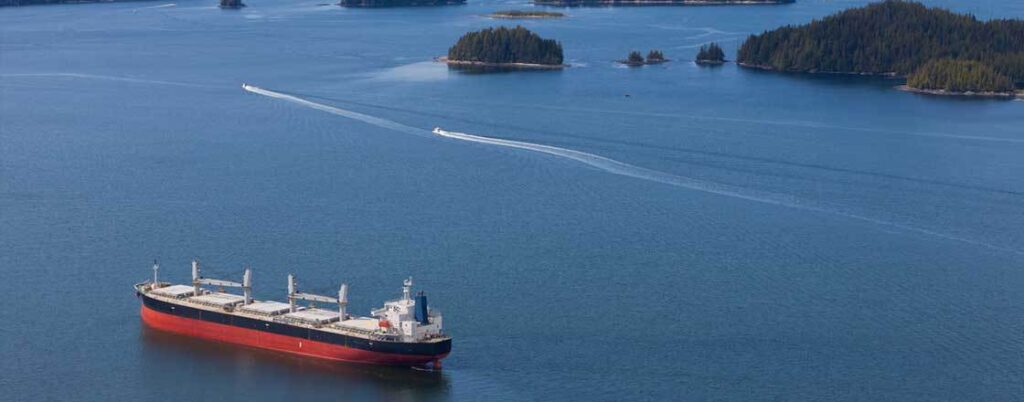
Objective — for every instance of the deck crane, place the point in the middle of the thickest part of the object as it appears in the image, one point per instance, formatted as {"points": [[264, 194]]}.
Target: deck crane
{"points": [[341, 300], [246, 284]]}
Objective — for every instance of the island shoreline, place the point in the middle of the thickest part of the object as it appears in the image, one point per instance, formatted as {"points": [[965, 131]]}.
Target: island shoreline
{"points": [[529, 17], [969, 94], [524, 15], [525, 66], [773, 69]]}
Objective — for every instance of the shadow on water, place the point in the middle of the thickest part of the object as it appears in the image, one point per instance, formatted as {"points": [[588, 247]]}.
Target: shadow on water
{"points": [[388, 380]]}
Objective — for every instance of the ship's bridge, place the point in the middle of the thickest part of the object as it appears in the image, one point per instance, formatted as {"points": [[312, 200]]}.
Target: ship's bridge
{"points": [[410, 317]]}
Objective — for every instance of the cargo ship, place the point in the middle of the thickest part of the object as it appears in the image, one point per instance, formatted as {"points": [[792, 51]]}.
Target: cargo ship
{"points": [[405, 332]]}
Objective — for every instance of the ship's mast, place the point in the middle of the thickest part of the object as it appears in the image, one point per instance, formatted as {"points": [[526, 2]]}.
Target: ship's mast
{"points": [[407, 289], [156, 267], [195, 276], [247, 285], [291, 292], [343, 301]]}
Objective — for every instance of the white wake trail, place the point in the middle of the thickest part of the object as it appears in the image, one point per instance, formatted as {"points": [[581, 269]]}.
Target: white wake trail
{"points": [[365, 118], [104, 78], [624, 169], [168, 5]]}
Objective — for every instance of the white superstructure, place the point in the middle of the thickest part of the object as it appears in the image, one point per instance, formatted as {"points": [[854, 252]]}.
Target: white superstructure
{"points": [[410, 317]]}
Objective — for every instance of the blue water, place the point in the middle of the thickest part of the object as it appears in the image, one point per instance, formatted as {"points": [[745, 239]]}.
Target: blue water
{"points": [[776, 237]]}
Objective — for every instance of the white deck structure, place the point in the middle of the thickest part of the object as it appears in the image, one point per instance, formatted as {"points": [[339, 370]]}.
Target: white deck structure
{"points": [[314, 316], [218, 299], [175, 291], [269, 308]]}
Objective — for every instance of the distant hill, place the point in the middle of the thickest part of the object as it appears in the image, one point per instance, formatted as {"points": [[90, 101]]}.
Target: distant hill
{"points": [[12, 3], [399, 3], [605, 3], [892, 37]]}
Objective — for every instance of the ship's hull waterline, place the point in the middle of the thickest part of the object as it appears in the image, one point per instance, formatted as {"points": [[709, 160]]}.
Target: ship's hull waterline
{"points": [[303, 341]]}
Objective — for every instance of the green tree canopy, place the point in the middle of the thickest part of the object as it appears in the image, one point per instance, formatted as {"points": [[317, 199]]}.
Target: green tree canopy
{"points": [[959, 76], [890, 37], [711, 53], [505, 45]]}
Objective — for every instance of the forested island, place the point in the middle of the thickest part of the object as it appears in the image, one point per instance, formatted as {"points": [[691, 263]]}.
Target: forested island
{"points": [[606, 3], [398, 3], [934, 48], [710, 54], [636, 59], [519, 14], [505, 47]]}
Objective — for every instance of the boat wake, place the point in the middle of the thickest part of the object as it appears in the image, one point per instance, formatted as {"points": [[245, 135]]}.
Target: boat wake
{"points": [[168, 5], [104, 78], [365, 118], [616, 167], [625, 169]]}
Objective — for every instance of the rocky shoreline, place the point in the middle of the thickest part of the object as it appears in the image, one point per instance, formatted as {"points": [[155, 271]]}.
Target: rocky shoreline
{"points": [[710, 62], [942, 92], [525, 15], [770, 68]]}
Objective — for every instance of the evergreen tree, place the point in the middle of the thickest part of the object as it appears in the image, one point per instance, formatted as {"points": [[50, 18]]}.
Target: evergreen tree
{"points": [[711, 53], [959, 76], [634, 58], [655, 56]]}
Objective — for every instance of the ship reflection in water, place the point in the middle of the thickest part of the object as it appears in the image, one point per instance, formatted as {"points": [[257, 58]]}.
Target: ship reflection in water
{"points": [[243, 365]]}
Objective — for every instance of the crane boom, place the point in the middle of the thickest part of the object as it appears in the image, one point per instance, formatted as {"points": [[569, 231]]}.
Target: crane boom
{"points": [[219, 282], [197, 280], [314, 298], [341, 300]]}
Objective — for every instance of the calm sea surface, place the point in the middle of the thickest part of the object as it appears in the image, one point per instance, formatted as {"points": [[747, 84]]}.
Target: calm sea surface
{"points": [[754, 236]]}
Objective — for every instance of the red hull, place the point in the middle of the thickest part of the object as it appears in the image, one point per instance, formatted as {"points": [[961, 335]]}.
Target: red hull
{"points": [[281, 343]]}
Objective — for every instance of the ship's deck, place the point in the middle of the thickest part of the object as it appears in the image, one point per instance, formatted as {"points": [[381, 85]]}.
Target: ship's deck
{"points": [[314, 316], [218, 299], [268, 308]]}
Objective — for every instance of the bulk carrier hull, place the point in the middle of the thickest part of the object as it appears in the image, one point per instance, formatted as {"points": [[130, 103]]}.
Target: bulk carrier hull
{"points": [[300, 340]]}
